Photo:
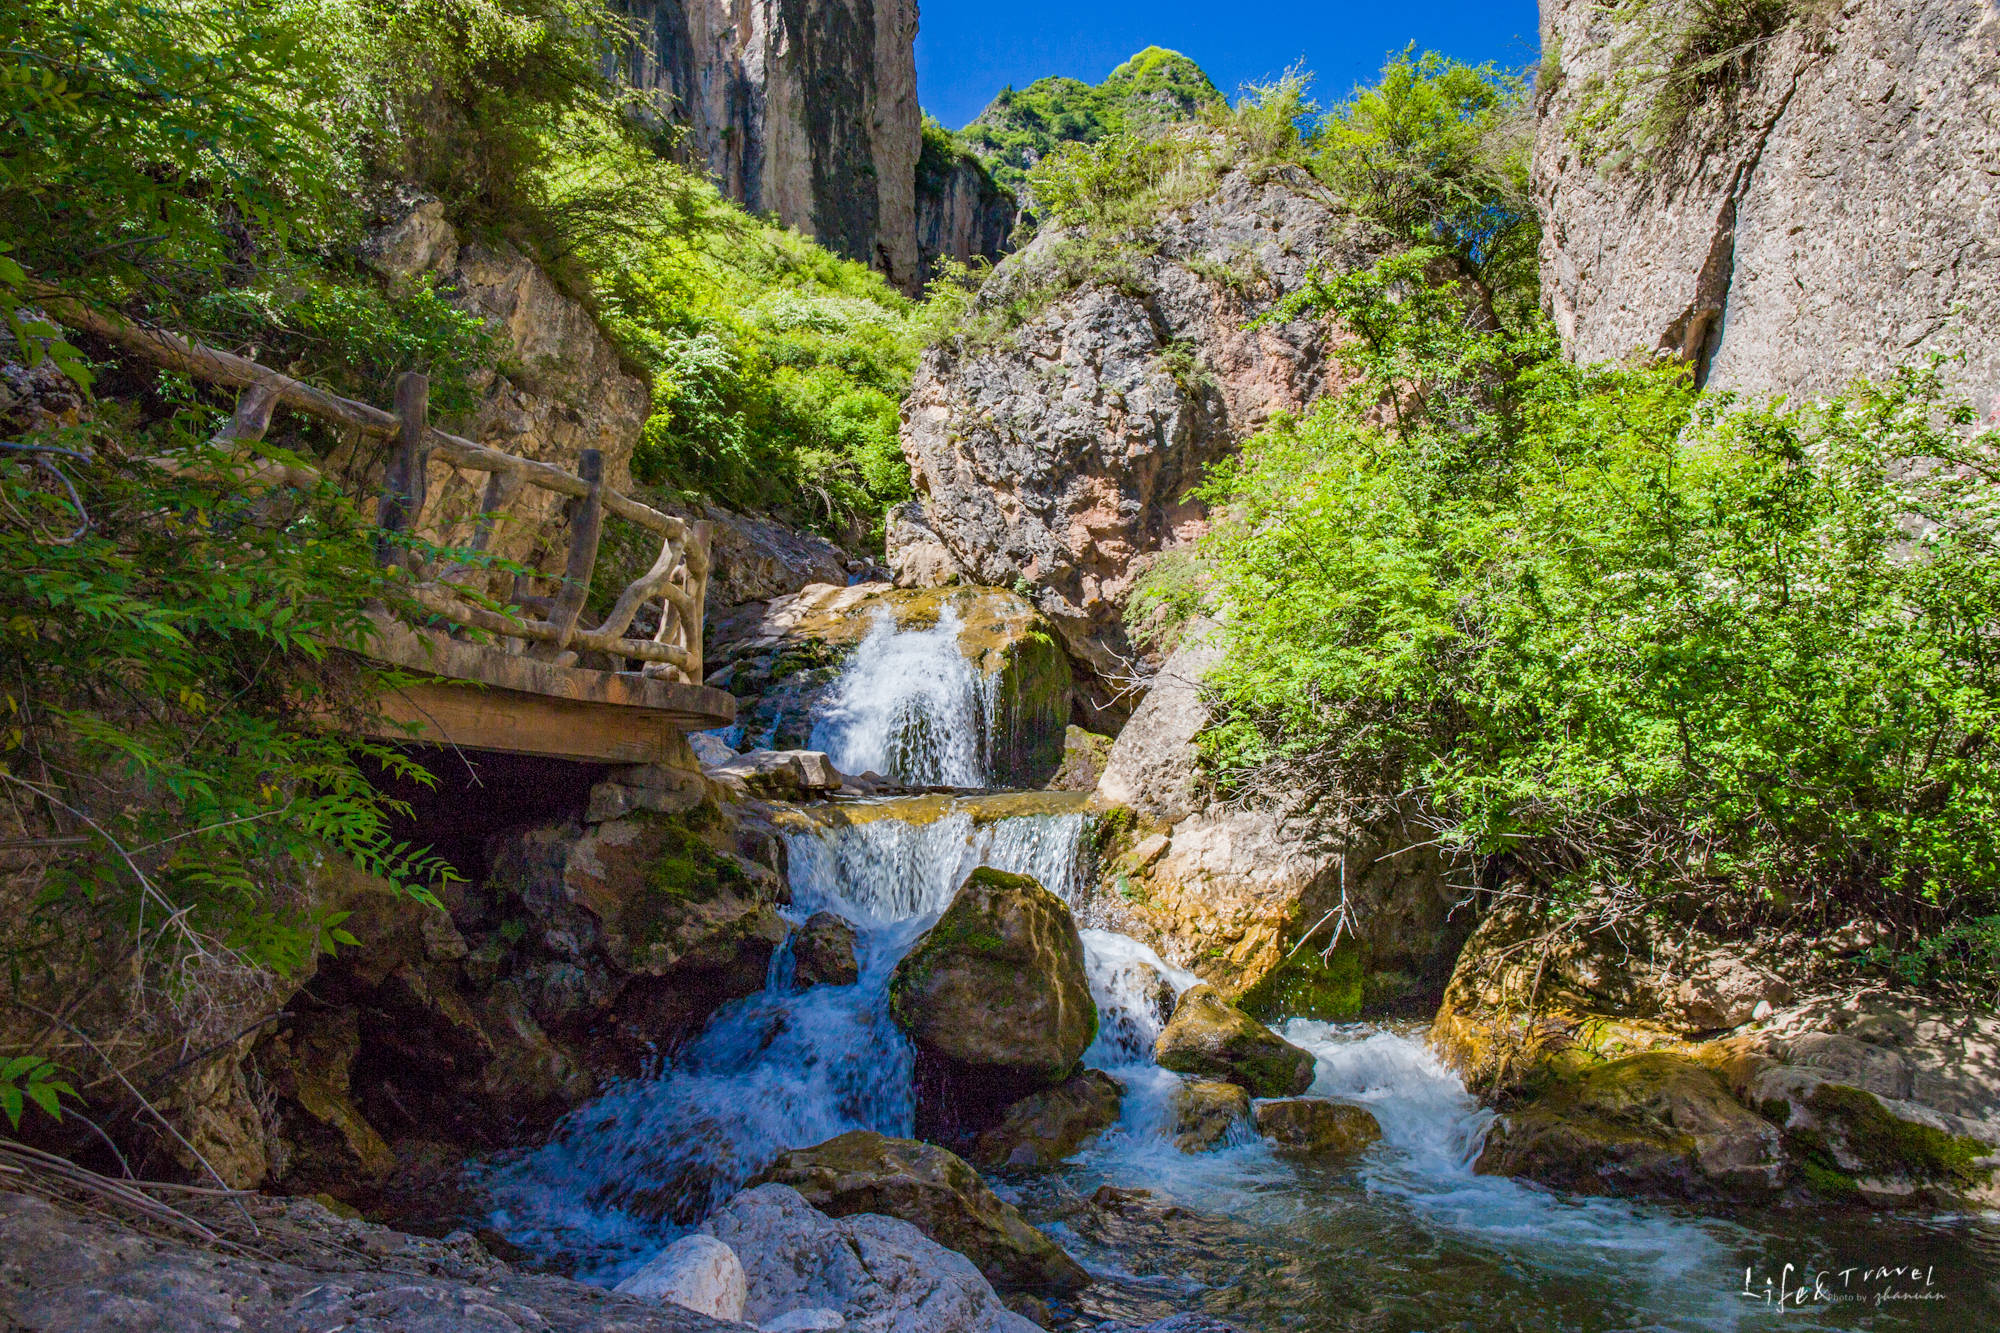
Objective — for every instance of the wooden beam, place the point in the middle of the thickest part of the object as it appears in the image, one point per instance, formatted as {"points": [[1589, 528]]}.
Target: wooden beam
{"points": [[403, 480], [586, 530], [511, 722]]}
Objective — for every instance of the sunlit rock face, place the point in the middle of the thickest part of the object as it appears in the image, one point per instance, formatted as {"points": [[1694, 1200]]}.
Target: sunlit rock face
{"points": [[1826, 210], [1062, 453], [802, 108]]}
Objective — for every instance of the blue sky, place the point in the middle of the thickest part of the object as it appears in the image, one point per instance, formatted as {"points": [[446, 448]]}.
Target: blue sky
{"points": [[968, 50]]}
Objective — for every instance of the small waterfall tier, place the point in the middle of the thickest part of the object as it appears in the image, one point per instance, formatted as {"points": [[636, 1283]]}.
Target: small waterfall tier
{"points": [[909, 706], [784, 1068]]}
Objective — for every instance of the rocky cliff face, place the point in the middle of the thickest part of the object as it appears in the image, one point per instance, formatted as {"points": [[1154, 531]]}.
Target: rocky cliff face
{"points": [[1827, 208], [961, 213], [802, 108], [1062, 452]]}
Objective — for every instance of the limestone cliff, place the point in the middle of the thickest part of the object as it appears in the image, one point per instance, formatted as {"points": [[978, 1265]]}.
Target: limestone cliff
{"points": [[962, 213], [1062, 452], [1821, 206], [802, 108]]}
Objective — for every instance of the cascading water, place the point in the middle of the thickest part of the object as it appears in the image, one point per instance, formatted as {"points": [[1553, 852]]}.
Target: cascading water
{"points": [[909, 706], [1405, 1237], [783, 1068]]}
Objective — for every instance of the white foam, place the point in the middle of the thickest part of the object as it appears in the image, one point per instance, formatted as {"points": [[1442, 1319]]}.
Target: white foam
{"points": [[909, 706]]}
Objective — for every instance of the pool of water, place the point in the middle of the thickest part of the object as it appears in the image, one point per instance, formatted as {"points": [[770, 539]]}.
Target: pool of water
{"points": [[1406, 1237]]}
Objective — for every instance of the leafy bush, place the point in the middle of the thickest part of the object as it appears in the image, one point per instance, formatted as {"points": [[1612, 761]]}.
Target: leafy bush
{"points": [[1436, 153], [175, 652], [777, 369], [1739, 657]]}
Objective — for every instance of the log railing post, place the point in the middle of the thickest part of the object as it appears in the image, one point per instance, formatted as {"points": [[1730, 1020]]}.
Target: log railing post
{"points": [[403, 481], [697, 567], [586, 528]]}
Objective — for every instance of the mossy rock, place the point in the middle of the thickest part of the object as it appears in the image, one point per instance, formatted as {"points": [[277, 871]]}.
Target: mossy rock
{"points": [[1849, 1147], [1206, 1112], [1212, 1038], [1306, 985], [938, 1193], [998, 983], [1316, 1128], [1659, 1125]]}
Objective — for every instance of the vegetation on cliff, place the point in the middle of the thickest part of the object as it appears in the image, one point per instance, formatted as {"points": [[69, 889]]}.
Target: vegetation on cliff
{"points": [[1628, 643], [1020, 128], [172, 634]]}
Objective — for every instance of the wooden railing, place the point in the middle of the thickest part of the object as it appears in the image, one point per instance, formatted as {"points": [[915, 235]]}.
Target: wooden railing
{"points": [[549, 628]]}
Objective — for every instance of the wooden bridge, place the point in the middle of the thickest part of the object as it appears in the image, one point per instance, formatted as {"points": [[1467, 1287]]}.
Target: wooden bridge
{"points": [[529, 677]]}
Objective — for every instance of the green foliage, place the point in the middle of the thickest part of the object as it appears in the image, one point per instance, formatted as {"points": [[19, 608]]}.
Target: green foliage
{"points": [[171, 653], [1618, 633], [1155, 88], [1436, 153], [1669, 60], [777, 371], [354, 338], [31, 1078]]}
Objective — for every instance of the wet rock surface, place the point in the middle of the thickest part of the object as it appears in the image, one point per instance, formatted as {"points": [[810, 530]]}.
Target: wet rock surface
{"points": [[823, 951], [994, 997], [63, 1273], [1311, 1127], [697, 1273], [1206, 1113], [1044, 1128], [937, 1192], [1659, 1124], [1212, 1038]]}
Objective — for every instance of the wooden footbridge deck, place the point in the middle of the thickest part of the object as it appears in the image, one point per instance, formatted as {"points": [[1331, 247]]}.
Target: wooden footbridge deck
{"points": [[516, 672]]}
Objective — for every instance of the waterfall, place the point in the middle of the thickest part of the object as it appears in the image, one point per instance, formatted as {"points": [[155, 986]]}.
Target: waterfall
{"points": [[909, 706], [782, 1068]]}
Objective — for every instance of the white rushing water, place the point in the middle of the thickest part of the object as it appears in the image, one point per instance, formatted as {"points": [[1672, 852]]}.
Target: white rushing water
{"points": [[909, 706], [780, 1069]]}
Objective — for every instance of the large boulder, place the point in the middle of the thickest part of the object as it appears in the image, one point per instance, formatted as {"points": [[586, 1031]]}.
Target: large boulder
{"points": [[937, 1192], [1214, 1039], [1658, 1124], [1044, 1128], [995, 994], [1837, 161], [697, 1273], [880, 1274], [1207, 1113], [1230, 892], [823, 951], [1063, 452]]}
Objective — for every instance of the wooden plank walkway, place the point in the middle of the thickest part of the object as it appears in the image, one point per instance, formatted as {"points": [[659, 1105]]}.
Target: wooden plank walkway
{"points": [[519, 690]]}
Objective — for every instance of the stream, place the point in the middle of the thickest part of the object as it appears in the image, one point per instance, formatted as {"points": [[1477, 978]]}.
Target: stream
{"points": [[1405, 1237]]}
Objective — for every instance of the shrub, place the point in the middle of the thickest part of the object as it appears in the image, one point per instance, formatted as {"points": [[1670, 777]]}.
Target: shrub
{"points": [[1736, 657]]}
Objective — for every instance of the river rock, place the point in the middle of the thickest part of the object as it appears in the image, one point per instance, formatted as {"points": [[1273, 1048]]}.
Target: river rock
{"points": [[1658, 1124], [64, 1273], [697, 1273], [779, 775], [1215, 1039], [881, 1274], [1063, 453], [936, 1191], [823, 949], [1314, 1127], [1205, 1113], [1044, 1128], [995, 993]]}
